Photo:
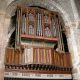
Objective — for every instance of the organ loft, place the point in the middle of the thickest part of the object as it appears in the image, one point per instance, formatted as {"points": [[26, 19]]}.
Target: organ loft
{"points": [[37, 48], [39, 39]]}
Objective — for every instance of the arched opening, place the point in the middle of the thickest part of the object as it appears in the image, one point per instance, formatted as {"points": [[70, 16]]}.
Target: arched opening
{"points": [[13, 24]]}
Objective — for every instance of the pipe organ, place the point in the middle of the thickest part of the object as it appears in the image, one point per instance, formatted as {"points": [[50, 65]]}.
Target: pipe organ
{"points": [[37, 32]]}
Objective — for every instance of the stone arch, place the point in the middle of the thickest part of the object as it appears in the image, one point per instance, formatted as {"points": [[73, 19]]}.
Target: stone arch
{"points": [[51, 5]]}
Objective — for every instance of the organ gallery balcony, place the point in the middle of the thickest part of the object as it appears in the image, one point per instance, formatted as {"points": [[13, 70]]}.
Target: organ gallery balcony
{"points": [[52, 62], [39, 46]]}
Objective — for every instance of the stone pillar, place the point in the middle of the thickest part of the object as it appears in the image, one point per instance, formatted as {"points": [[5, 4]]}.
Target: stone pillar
{"points": [[76, 63], [2, 15], [74, 48], [4, 24]]}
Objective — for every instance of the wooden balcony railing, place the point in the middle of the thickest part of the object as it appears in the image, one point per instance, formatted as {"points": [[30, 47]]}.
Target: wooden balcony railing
{"points": [[60, 62]]}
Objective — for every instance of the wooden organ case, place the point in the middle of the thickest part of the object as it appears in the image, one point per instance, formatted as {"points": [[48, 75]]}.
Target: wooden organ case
{"points": [[38, 31]]}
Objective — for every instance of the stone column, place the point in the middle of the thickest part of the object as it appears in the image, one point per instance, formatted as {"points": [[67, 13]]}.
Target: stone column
{"points": [[76, 63], [2, 15], [74, 48], [4, 24]]}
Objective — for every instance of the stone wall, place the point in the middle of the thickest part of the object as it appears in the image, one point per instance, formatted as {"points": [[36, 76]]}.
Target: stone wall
{"points": [[66, 8]]}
